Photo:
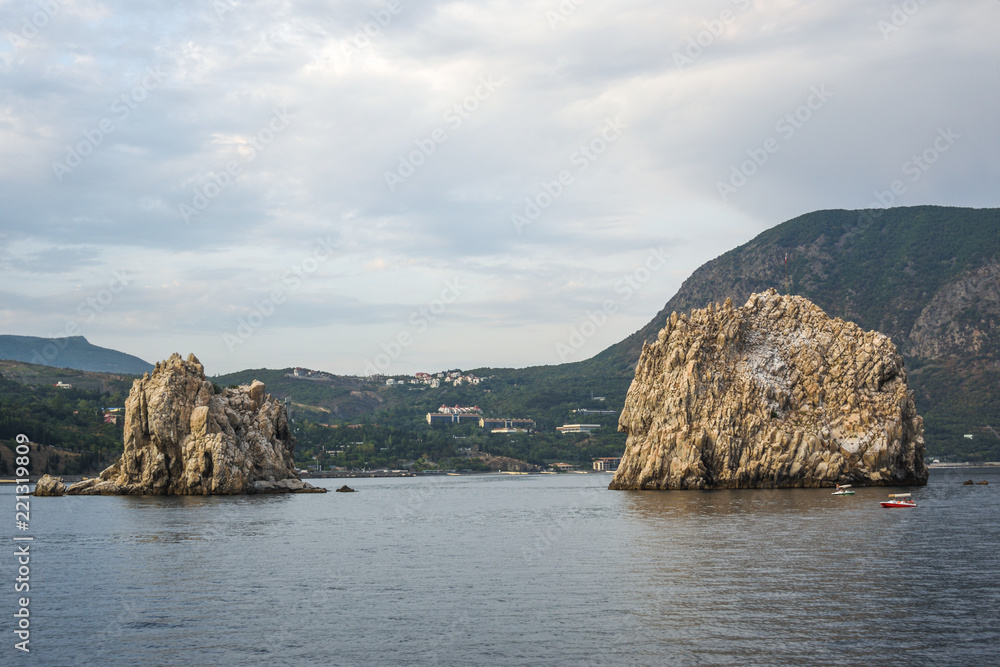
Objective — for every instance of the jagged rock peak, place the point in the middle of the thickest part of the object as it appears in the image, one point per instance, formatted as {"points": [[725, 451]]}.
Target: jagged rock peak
{"points": [[183, 438], [773, 394]]}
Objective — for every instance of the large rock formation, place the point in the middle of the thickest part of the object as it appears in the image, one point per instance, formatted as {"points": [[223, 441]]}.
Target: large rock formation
{"points": [[183, 438], [773, 394]]}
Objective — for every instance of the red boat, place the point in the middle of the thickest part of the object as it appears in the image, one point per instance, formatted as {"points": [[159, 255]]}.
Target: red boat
{"points": [[898, 500]]}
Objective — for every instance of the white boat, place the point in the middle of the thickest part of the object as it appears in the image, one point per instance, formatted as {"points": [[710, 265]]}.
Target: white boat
{"points": [[843, 490]]}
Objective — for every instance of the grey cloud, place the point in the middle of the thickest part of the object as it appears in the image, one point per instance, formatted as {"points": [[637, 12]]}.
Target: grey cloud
{"points": [[353, 114]]}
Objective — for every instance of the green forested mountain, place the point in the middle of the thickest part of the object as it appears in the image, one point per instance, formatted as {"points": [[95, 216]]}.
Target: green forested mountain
{"points": [[927, 276]]}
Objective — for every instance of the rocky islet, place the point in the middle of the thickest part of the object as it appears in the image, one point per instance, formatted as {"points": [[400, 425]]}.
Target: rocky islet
{"points": [[185, 437], [772, 394]]}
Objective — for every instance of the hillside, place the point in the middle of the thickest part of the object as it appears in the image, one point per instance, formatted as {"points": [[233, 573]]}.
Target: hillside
{"points": [[927, 276], [321, 402], [71, 352], [67, 421]]}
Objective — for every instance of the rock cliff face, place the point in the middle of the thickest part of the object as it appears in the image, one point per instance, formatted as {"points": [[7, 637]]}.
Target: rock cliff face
{"points": [[963, 318], [773, 394], [182, 438], [50, 486]]}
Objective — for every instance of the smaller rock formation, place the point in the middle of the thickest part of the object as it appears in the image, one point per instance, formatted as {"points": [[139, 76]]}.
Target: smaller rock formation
{"points": [[48, 485], [773, 394], [183, 438], [345, 489]]}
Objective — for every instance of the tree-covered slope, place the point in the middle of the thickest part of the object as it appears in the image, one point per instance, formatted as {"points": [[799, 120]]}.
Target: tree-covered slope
{"points": [[68, 422]]}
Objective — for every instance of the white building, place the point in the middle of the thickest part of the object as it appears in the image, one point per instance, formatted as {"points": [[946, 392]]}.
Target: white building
{"points": [[577, 428]]}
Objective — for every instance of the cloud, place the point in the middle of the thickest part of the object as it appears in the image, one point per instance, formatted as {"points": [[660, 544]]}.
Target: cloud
{"points": [[206, 147]]}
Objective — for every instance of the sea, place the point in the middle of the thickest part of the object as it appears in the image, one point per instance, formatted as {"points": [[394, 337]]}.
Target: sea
{"points": [[512, 570]]}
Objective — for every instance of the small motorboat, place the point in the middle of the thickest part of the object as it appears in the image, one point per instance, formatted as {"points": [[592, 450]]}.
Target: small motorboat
{"points": [[898, 500], [843, 490]]}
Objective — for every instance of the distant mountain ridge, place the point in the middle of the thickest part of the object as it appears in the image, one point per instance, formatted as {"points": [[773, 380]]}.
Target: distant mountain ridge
{"points": [[74, 352], [927, 276]]}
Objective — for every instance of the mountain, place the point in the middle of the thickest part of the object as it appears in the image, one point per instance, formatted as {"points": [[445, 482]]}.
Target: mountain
{"points": [[71, 352], [927, 276]]}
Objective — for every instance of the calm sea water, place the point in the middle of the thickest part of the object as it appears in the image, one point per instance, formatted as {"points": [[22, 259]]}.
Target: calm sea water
{"points": [[515, 570]]}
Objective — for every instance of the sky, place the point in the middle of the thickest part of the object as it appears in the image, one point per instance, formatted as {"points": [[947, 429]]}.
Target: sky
{"points": [[390, 187]]}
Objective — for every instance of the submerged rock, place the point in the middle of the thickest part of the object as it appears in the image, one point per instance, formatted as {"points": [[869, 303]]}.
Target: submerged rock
{"points": [[773, 394], [183, 438], [48, 485]]}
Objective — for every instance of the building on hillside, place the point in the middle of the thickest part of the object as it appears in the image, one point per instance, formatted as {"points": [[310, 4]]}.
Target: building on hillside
{"points": [[459, 410], [562, 467], [62, 385], [493, 424], [585, 411], [390, 383], [577, 428], [434, 418], [607, 463], [509, 430]]}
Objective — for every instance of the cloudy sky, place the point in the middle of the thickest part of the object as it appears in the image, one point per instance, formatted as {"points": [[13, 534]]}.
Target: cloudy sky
{"points": [[403, 186]]}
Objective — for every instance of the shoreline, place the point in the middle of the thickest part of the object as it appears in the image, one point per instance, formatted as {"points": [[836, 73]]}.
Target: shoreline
{"points": [[69, 479], [987, 464]]}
